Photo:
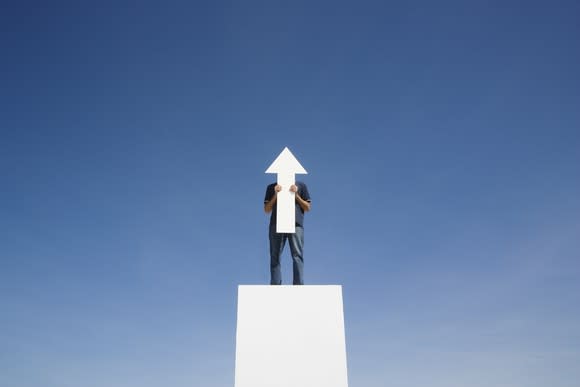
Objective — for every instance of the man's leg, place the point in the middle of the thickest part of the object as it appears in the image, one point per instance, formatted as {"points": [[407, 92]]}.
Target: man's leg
{"points": [[276, 246], [296, 248]]}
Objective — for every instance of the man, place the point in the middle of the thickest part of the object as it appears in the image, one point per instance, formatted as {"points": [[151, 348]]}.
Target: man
{"points": [[296, 240]]}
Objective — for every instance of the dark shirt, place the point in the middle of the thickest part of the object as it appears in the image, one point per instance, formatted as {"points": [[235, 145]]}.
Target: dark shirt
{"points": [[302, 191]]}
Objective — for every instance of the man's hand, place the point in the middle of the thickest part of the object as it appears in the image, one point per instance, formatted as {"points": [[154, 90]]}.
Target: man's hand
{"points": [[270, 204], [293, 188]]}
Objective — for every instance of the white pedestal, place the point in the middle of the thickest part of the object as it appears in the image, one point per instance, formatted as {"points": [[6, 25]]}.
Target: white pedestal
{"points": [[290, 336]]}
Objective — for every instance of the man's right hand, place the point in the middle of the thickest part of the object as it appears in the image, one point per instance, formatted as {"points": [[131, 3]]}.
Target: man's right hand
{"points": [[278, 188]]}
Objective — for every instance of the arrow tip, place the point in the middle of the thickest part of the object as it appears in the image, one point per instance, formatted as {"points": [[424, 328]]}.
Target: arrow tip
{"points": [[286, 163]]}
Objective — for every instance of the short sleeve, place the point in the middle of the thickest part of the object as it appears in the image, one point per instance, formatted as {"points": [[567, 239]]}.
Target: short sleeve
{"points": [[269, 193], [303, 192]]}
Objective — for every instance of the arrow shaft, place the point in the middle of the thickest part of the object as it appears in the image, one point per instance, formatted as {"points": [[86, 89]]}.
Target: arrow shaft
{"points": [[285, 207]]}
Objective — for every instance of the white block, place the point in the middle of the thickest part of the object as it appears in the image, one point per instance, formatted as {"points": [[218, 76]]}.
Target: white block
{"points": [[290, 336]]}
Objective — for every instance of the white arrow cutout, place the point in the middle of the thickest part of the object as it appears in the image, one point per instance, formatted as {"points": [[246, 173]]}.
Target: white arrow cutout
{"points": [[286, 167]]}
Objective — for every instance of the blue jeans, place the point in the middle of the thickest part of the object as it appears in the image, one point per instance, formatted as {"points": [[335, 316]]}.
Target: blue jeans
{"points": [[296, 242]]}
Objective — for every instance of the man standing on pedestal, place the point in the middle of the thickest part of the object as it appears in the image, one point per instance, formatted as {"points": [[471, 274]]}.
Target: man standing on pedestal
{"points": [[296, 240]]}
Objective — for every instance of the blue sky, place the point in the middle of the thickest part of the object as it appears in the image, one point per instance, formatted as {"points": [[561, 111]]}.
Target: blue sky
{"points": [[442, 143]]}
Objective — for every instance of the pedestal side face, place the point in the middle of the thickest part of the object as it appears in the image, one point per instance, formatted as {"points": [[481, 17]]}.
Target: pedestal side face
{"points": [[290, 336]]}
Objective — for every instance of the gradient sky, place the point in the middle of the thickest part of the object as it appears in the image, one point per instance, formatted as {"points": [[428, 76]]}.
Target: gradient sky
{"points": [[442, 141]]}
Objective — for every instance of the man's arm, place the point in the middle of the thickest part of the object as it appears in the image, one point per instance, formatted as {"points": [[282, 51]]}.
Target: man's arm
{"points": [[305, 205], [270, 203]]}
